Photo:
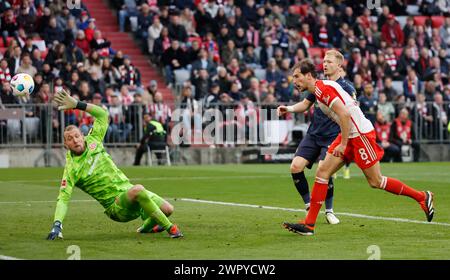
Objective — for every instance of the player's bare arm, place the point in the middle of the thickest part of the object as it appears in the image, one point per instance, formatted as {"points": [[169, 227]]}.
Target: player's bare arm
{"points": [[299, 107]]}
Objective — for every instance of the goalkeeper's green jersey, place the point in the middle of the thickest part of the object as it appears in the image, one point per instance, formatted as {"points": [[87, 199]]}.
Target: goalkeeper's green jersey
{"points": [[94, 172]]}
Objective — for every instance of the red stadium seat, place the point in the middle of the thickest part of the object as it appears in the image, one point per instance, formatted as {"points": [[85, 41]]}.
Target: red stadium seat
{"points": [[9, 39], [315, 52], [297, 9], [437, 21], [304, 9], [398, 52], [2, 49], [44, 53], [324, 50], [420, 20]]}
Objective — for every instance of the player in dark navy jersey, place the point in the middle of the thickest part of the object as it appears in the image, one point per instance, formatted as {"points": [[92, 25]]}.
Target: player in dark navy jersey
{"points": [[321, 133]]}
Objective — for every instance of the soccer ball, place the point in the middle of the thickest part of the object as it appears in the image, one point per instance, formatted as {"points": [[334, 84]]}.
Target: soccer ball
{"points": [[22, 84]]}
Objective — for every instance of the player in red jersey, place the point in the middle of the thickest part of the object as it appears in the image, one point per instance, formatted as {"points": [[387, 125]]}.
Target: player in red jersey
{"points": [[356, 142]]}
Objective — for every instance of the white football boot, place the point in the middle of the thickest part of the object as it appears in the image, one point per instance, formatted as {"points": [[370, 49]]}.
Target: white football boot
{"points": [[331, 218]]}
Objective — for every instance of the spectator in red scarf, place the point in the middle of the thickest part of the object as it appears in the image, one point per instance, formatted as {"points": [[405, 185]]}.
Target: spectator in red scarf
{"points": [[423, 62], [306, 33], [90, 29], [392, 32], [5, 74], [323, 33], [364, 20], [82, 42], [100, 44], [412, 85], [403, 133]]}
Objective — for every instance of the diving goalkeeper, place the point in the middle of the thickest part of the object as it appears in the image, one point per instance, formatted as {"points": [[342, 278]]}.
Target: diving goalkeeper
{"points": [[90, 168]]}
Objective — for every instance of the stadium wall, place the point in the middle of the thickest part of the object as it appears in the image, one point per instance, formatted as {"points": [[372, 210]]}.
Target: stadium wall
{"points": [[124, 156]]}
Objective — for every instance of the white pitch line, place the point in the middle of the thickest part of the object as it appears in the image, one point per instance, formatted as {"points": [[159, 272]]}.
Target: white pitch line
{"points": [[255, 206], [8, 258], [301, 210]]}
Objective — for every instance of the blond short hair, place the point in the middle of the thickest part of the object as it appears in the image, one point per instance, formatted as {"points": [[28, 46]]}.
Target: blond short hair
{"points": [[70, 128], [337, 55]]}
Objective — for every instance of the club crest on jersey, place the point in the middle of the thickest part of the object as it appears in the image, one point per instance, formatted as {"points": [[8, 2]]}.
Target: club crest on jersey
{"points": [[92, 146], [63, 183]]}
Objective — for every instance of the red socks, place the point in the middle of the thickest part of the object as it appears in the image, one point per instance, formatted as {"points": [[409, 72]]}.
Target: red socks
{"points": [[318, 195], [396, 187]]}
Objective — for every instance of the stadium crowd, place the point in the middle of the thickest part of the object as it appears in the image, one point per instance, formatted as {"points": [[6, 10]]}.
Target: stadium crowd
{"points": [[240, 52], [61, 47], [237, 54]]}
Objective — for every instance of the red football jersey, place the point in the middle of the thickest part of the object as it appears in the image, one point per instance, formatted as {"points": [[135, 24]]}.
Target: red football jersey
{"points": [[328, 92]]}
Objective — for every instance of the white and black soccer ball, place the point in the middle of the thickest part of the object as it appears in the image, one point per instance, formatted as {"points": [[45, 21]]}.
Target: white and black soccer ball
{"points": [[22, 84]]}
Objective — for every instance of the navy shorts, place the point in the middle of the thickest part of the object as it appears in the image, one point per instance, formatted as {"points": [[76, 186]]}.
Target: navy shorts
{"points": [[312, 148]]}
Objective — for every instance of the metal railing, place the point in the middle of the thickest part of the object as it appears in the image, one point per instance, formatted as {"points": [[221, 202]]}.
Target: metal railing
{"points": [[38, 125]]}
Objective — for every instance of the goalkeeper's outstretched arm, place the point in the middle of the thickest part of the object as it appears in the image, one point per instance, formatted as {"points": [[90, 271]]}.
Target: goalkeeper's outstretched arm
{"points": [[62, 203], [100, 127]]}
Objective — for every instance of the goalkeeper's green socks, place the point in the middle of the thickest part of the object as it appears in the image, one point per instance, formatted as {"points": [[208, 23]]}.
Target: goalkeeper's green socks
{"points": [[152, 210], [148, 225]]}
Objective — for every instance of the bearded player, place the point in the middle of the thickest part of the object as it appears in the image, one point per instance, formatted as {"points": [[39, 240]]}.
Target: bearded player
{"points": [[321, 133], [90, 168], [356, 142]]}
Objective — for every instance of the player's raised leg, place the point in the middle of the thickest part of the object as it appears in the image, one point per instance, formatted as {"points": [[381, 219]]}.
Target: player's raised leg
{"points": [[138, 194], [392, 185]]}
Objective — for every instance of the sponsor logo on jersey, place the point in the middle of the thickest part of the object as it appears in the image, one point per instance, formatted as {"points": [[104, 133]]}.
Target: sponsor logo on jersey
{"points": [[326, 98], [92, 146]]}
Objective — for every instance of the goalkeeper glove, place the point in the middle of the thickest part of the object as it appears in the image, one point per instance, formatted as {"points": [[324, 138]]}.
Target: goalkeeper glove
{"points": [[56, 231], [65, 101]]}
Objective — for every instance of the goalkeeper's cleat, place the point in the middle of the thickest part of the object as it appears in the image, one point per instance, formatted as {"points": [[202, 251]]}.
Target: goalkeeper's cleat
{"points": [[331, 218], [300, 228], [427, 205], [154, 229], [346, 173], [174, 232]]}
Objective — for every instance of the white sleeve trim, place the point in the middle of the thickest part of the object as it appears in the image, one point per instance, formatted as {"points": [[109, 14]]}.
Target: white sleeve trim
{"points": [[332, 101]]}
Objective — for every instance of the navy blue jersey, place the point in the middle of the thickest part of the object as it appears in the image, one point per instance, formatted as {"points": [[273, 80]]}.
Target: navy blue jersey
{"points": [[321, 125]]}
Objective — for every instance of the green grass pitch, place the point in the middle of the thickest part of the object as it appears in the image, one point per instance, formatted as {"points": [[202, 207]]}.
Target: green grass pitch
{"points": [[217, 231]]}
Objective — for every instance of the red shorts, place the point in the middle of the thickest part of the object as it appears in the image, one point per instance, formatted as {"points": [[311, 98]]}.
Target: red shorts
{"points": [[362, 149]]}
